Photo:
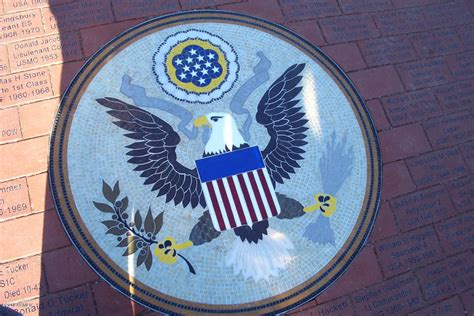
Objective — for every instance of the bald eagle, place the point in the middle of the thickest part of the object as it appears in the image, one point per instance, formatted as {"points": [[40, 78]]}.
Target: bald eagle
{"points": [[259, 251]]}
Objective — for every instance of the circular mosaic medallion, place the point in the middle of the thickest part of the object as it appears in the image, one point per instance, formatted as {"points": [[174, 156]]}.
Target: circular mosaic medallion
{"points": [[212, 162]]}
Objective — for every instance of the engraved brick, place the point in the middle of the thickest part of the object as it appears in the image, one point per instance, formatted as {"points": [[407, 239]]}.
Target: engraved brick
{"points": [[348, 28], [75, 302], [9, 125], [385, 225], [462, 192], [403, 142], [448, 14], [451, 306], [468, 300], [422, 207], [4, 64], [456, 96], [44, 51], [73, 16], [25, 87], [307, 9], [396, 296], [424, 73], [377, 82], [338, 307], [111, 302], [1, 7], [309, 30], [14, 200], [396, 180], [361, 6], [24, 157], [200, 4], [447, 277], [44, 233], [413, 3], [400, 21], [387, 50], [441, 42], [58, 266], [461, 65], [40, 195], [450, 129], [37, 118], [411, 107], [378, 114], [466, 34], [407, 251], [347, 55], [457, 234], [21, 279], [125, 9], [20, 25], [467, 150], [20, 5], [437, 166]]}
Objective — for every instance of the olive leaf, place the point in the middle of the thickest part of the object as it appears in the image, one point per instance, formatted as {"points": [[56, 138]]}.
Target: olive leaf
{"points": [[109, 194], [124, 202], [158, 223], [149, 222], [141, 257], [110, 223], [124, 242], [117, 231], [103, 207], [131, 248], [137, 220], [148, 259]]}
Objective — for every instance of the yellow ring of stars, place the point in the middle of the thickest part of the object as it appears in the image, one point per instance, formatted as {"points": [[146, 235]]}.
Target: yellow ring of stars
{"points": [[189, 86]]}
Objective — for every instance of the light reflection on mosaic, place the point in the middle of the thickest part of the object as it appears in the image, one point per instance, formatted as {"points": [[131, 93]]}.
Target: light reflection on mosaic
{"points": [[278, 194]]}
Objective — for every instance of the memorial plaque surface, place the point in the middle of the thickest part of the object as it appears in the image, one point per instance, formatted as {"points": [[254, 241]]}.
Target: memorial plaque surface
{"points": [[14, 200], [457, 234]]}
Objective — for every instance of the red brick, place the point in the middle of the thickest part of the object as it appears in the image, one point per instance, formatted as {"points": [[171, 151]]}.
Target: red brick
{"points": [[4, 64], [462, 192], [14, 200], [361, 6], [396, 180], [20, 5], [378, 114], [37, 118], [450, 129], [387, 50], [411, 107], [21, 279], [448, 14], [340, 307], [347, 55], [403, 142], [1, 7], [423, 207], [451, 306], [111, 302], [456, 234], [307, 9], [9, 125], [348, 28], [125, 9], [201, 4], [25, 87], [94, 37], [362, 272], [466, 34], [400, 21], [413, 3], [40, 194], [440, 42], [20, 25], [467, 150], [309, 30], [437, 166], [58, 265], [396, 296], [62, 75], [44, 233], [468, 300], [448, 277], [267, 9], [73, 16], [377, 82], [424, 73], [462, 65], [456, 96], [385, 225], [46, 50]]}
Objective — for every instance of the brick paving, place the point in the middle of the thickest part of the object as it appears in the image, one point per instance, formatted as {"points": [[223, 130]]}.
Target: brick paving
{"points": [[412, 61]]}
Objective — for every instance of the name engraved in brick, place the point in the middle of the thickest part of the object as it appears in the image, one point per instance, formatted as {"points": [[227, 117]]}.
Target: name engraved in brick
{"points": [[20, 279], [462, 192], [457, 234], [456, 96], [20, 25], [467, 150], [4, 65], [125, 9], [411, 107], [25, 86], [447, 14], [450, 130], [348, 28], [441, 42], [424, 73], [304, 9], [14, 199], [360, 6], [450, 306], [20, 5], [44, 50], [437, 166], [401, 21], [396, 296], [422, 207], [341, 306], [448, 277], [387, 50], [407, 251], [462, 65]]}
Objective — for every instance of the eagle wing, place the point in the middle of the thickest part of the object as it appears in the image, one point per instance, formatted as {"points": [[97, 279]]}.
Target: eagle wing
{"points": [[285, 123], [154, 153]]}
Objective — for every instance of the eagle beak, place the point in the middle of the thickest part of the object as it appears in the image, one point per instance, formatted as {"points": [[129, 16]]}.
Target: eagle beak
{"points": [[201, 121]]}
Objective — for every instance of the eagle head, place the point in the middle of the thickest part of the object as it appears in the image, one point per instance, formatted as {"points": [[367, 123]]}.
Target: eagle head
{"points": [[225, 135]]}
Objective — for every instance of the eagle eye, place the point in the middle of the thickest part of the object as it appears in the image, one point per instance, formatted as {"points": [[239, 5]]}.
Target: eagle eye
{"points": [[215, 118]]}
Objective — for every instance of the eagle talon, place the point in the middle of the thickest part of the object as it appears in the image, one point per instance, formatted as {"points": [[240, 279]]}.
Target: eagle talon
{"points": [[326, 203]]}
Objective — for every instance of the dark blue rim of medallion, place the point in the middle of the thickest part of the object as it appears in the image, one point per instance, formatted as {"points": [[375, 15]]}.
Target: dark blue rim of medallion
{"points": [[294, 39]]}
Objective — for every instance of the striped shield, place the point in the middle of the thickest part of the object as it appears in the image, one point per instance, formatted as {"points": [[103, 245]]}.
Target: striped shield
{"points": [[237, 188]]}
